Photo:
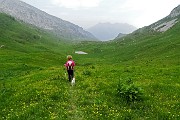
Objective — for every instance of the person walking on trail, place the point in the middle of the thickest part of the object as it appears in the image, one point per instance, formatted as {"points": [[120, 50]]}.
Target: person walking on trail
{"points": [[70, 67]]}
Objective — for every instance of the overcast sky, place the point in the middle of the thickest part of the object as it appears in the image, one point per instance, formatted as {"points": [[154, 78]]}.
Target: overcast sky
{"points": [[86, 13]]}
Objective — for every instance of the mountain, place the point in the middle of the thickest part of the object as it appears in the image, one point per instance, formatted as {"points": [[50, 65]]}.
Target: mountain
{"points": [[167, 22], [157, 43], [108, 31], [120, 35], [34, 16], [160, 26], [21, 37]]}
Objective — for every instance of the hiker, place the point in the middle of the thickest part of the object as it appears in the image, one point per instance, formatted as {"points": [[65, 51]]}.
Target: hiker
{"points": [[70, 67]]}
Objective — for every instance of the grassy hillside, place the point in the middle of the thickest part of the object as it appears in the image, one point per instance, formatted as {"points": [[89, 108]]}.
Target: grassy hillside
{"points": [[26, 45], [133, 78], [138, 47]]}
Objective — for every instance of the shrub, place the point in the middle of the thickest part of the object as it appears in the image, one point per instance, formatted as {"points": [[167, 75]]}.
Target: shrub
{"points": [[129, 91]]}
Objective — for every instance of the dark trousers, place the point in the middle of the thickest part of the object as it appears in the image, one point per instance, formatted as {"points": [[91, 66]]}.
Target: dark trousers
{"points": [[70, 75]]}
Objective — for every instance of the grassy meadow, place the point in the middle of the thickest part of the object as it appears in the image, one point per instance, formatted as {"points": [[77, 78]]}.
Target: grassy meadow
{"points": [[134, 78]]}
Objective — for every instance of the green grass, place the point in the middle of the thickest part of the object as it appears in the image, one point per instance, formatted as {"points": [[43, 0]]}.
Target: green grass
{"points": [[33, 84]]}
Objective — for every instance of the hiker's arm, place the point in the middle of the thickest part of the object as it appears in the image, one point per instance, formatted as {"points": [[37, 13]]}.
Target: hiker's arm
{"points": [[65, 66]]}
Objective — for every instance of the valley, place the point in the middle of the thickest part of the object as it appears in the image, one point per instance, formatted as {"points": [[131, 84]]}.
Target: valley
{"points": [[134, 77]]}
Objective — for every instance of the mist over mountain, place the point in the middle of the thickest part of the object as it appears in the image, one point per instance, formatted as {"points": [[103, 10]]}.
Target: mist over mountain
{"points": [[108, 31], [31, 15]]}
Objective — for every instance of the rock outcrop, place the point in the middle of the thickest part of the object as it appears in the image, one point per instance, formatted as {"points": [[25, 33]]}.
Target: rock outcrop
{"points": [[167, 22]]}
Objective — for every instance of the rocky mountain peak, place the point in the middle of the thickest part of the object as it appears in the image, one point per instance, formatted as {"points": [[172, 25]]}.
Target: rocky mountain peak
{"points": [[175, 12], [31, 15]]}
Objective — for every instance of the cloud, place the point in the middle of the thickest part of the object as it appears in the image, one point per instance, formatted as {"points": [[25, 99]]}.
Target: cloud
{"points": [[75, 4]]}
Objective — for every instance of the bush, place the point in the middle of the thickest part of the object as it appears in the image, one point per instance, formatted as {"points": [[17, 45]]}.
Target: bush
{"points": [[129, 91]]}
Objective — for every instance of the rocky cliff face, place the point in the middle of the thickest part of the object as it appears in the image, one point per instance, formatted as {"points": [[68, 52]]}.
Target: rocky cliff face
{"points": [[167, 22], [34, 16]]}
